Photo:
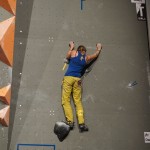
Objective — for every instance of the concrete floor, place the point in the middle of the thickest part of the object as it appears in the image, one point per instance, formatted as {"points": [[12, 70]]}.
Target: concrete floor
{"points": [[117, 116]]}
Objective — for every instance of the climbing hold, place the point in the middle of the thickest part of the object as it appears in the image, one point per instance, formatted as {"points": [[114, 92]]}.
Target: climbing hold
{"points": [[5, 94], [132, 83], [62, 130], [9, 5], [4, 116], [7, 28]]}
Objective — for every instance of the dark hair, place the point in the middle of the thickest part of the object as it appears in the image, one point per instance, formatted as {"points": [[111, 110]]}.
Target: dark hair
{"points": [[81, 48]]}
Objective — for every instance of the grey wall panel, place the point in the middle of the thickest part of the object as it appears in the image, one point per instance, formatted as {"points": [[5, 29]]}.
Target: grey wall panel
{"points": [[117, 115], [148, 20]]}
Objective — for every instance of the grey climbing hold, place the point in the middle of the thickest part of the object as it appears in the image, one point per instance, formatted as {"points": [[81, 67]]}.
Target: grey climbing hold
{"points": [[132, 83]]}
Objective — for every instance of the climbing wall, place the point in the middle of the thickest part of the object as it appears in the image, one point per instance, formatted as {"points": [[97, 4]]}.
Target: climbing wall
{"points": [[115, 92], [7, 31], [148, 20]]}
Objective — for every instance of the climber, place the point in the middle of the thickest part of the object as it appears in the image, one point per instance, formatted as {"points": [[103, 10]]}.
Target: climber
{"points": [[71, 83]]}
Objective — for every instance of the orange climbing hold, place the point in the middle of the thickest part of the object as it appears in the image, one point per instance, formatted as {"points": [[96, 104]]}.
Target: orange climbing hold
{"points": [[5, 94], [9, 5], [4, 116], [7, 29]]}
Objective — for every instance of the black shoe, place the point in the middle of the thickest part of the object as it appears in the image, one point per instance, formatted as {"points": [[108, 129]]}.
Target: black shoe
{"points": [[83, 127], [70, 124]]}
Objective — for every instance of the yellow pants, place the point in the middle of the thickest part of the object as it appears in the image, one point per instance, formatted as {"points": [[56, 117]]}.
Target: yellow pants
{"points": [[72, 85]]}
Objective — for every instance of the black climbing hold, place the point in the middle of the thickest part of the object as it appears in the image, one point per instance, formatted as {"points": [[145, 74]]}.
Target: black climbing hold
{"points": [[61, 129]]}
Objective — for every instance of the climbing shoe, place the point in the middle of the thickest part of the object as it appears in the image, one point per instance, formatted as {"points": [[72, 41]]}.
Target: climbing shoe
{"points": [[83, 127], [70, 124]]}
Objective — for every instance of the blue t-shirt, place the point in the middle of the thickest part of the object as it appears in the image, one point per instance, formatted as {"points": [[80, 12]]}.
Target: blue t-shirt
{"points": [[76, 65]]}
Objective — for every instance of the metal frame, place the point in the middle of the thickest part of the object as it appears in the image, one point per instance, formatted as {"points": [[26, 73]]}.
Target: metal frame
{"points": [[43, 145]]}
